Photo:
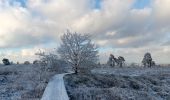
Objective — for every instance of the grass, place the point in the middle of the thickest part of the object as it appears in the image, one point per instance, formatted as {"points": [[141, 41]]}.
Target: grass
{"points": [[21, 82], [95, 86]]}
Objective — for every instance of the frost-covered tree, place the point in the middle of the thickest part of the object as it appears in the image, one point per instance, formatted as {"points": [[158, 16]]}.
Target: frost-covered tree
{"points": [[147, 60], [77, 49], [48, 59], [111, 62], [120, 61], [47, 62]]}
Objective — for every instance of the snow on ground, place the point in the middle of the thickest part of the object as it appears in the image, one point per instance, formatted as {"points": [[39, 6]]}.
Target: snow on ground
{"points": [[55, 90]]}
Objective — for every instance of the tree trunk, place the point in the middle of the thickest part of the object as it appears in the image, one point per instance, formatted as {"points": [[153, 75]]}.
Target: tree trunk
{"points": [[121, 65], [149, 63], [76, 69]]}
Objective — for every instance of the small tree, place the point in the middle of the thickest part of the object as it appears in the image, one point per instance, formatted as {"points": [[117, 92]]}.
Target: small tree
{"points": [[6, 61], [46, 62], [121, 61], [147, 60], [77, 49], [111, 61], [48, 59]]}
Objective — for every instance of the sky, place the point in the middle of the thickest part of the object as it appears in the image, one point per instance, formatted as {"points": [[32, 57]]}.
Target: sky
{"points": [[128, 28]]}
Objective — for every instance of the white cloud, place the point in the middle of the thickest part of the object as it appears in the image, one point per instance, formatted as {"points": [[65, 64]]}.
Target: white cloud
{"points": [[116, 24], [161, 9]]}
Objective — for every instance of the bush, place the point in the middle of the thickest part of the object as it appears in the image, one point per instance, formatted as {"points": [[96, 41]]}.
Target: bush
{"points": [[36, 62], [6, 61], [26, 62]]}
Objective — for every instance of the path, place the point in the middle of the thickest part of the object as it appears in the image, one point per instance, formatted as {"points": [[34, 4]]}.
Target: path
{"points": [[55, 89]]}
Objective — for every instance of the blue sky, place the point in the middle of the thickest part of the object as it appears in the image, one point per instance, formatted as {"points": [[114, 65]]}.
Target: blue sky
{"points": [[140, 4], [98, 4], [121, 27], [22, 2]]}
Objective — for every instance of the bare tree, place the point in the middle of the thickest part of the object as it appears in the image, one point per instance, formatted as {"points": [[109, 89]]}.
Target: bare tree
{"points": [[77, 49]]}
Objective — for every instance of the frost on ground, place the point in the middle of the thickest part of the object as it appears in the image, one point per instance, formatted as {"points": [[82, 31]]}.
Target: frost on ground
{"points": [[21, 82], [120, 84], [131, 71]]}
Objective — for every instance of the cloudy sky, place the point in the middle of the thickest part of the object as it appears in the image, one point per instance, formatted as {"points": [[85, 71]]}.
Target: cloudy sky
{"points": [[123, 27]]}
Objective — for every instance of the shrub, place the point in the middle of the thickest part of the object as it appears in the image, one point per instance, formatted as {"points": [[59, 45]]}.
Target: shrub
{"points": [[26, 62], [6, 61]]}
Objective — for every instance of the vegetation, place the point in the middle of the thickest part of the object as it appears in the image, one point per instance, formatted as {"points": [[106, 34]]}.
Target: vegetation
{"points": [[150, 85], [77, 49], [26, 62], [6, 61], [113, 61], [147, 60]]}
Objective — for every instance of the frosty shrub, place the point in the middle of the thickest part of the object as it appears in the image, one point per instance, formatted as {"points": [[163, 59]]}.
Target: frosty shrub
{"points": [[36, 62], [26, 62], [17, 62], [6, 61], [77, 49], [49, 64], [47, 59]]}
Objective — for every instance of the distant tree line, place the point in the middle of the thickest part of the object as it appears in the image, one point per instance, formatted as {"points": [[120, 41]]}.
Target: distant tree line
{"points": [[7, 62]]}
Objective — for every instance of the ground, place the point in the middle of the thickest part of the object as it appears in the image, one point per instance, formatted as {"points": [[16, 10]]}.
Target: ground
{"points": [[120, 84], [22, 82]]}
